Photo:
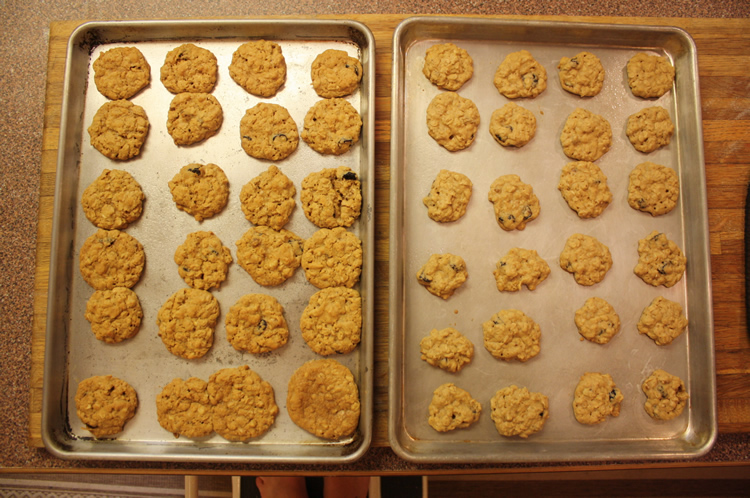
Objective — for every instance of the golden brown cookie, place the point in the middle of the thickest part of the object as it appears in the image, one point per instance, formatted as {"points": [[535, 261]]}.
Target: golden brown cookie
{"points": [[335, 74], [332, 321], [256, 324], [582, 74], [512, 125], [662, 321], [452, 408], [332, 258], [511, 334], [449, 196], [447, 66], [520, 267], [660, 261], [514, 202], [111, 258], [186, 322], [586, 258], [585, 136], [653, 188], [666, 395], [193, 117], [119, 129], [447, 349], [649, 129], [518, 411], [105, 404], [268, 199], [200, 190], [597, 320], [596, 398], [202, 260], [189, 68], [183, 408], [583, 185], [267, 131], [259, 67], [452, 121], [113, 200], [442, 274], [331, 126], [269, 256], [520, 75], [650, 76], [332, 197], [114, 314], [121, 72]]}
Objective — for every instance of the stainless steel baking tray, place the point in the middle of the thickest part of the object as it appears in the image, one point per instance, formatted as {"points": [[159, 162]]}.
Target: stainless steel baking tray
{"points": [[564, 357], [72, 352]]}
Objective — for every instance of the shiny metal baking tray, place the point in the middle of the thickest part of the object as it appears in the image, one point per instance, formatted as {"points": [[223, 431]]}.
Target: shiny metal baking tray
{"points": [[72, 352], [629, 357]]}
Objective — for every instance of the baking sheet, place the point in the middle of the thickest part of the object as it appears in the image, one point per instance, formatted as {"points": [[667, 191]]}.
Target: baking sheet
{"points": [[72, 351], [564, 357]]}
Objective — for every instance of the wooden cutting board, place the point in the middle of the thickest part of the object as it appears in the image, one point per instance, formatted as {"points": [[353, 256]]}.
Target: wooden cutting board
{"points": [[724, 70]]}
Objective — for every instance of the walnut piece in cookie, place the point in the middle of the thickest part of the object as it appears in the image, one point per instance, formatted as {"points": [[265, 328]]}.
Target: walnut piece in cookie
{"points": [[332, 126], [121, 72], [586, 258], [115, 314], [666, 395], [514, 202], [520, 267], [193, 117], [511, 334], [268, 131], [202, 260], [585, 136], [200, 190], [447, 66], [189, 68], [512, 125], [662, 321], [256, 324], [649, 129], [259, 67], [186, 322], [335, 74], [443, 274], [650, 76], [268, 199], [452, 121], [520, 75], [269, 256], [449, 196], [105, 404], [447, 349], [113, 200], [452, 408], [518, 411], [111, 258], [183, 408], [660, 261], [653, 188], [331, 322], [332, 257], [596, 398], [584, 187], [597, 320], [119, 129], [332, 197], [582, 74]]}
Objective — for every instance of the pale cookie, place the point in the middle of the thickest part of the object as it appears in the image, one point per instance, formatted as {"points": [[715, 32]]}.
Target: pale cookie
{"points": [[193, 117], [186, 322], [597, 320], [512, 125], [452, 121], [653, 188], [443, 274], [189, 68], [585, 136], [332, 258], [183, 408], [666, 395], [120, 73], [268, 199], [119, 129], [582, 74], [331, 126], [520, 267], [514, 202], [269, 256], [447, 66], [520, 75], [267, 131], [113, 200], [200, 190], [449, 196], [511, 334], [202, 260], [447, 349], [596, 398], [660, 261], [650, 75], [256, 324], [649, 129], [331, 322], [452, 408], [259, 67], [242, 403], [323, 399], [114, 314], [332, 197], [335, 74], [662, 321], [584, 187], [111, 258], [519, 412], [586, 258], [105, 403]]}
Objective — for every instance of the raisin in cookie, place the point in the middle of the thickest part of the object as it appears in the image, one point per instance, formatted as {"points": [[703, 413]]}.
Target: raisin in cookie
{"points": [[111, 258], [447, 66], [193, 117], [113, 200], [443, 274], [332, 257], [662, 321], [597, 320], [586, 258], [186, 322], [120, 73], [202, 260], [649, 129], [114, 314], [447, 349], [585, 136], [660, 261], [331, 322], [512, 125], [666, 395], [514, 202], [520, 267], [259, 67], [119, 129], [105, 404], [584, 187], [596, 398], [323, 399], [653, 188], [183, 408], [189, 68], [582, 74], [268, 199], [200, 190], [332, 197], [331, 126], [511, 334], [256, 324], [517, 411], [449, 196], [452, 121], [269, 256], [267, 131], [452, 408], [335, 74], [650, 75], [520, 75]]}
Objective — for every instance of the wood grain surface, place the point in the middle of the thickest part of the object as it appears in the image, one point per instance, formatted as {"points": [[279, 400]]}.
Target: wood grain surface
{"points": [[724, 70]]}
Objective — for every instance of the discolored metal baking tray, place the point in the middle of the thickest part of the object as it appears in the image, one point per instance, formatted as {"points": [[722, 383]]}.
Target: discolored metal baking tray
{"points": [[72, 351], [565, 356]]}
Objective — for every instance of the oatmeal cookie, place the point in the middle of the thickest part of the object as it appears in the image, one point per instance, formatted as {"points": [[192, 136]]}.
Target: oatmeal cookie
{"points": [[512, 125], [650, 75], [332, 321], [332, 126], [186, 322], [113, 200], [582, 74], [443, 274], [666, 395], [202, 260], [105, 404], [520, 267], [653, 188], [452, 408], [256, 324], [660, 261], [520, 75], [323, 399], [518, 412], [332, 197], [584, 187], [597, 320], [649, 129], [332, 257], [596, 398], [586, 136], [514, 201], [662, 321], [452, 121], [586, 258], [449, 196], [268, 199], [193, 117], [447, 66], [269, 256], [183, 408], [119, 129], [335, 74], [121, 72], [114, 314], [267, 131], [200, 190], [242, 403], [259, 67], [111, 258], [511, 334], [189, 68], [447, 349]]}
